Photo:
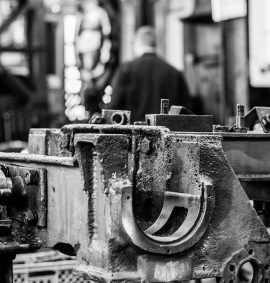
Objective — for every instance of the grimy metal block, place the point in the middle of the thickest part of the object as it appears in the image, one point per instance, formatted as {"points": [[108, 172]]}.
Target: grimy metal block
{"points": [[136, 204], [182, 123]]}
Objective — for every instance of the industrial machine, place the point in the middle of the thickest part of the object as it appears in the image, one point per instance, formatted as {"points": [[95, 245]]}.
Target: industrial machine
{"points": [[164, 200]]}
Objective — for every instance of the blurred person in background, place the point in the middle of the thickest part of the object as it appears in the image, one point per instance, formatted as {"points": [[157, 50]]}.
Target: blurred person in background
{"points": [[139, 85]]}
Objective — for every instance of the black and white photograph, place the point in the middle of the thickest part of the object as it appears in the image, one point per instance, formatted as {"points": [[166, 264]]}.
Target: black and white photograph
{"points": [[134, 141]]}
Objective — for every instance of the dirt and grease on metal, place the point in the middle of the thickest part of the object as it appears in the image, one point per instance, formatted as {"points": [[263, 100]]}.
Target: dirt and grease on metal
{"points": [[134, 170]]}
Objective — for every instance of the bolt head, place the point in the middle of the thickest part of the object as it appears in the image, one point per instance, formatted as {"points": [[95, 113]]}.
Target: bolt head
{"points": [[31, 177], [146, 146], [31, 217]]}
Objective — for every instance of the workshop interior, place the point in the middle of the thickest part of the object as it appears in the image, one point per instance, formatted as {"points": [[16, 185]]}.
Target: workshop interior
{"points": [[87, 193]]}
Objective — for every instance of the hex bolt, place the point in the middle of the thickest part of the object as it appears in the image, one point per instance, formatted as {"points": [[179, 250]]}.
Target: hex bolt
{"points": [[240, 109], [146, 146], [31, 217], [31, 177], [240, 112], [240, 119], [164, 106]]}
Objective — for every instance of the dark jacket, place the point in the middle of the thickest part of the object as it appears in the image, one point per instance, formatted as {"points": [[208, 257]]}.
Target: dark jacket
{"points": [[141, 84]]}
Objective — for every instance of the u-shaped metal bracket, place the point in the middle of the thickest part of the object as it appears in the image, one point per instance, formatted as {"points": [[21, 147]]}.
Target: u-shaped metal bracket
{"points": [[199, 208]]}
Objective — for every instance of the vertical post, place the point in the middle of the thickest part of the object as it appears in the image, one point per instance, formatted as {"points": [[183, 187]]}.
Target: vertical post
{"points": [[240, 119], [6, 270], [240, 116]]}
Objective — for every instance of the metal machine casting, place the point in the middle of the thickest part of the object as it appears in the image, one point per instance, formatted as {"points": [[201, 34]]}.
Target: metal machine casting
{"points": [[164, 200]]}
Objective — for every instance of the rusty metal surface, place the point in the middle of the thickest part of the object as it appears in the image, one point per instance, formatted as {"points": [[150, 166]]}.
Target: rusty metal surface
{"points": [[13, 196], [26, 201], [44, 141], [141, 203]]}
